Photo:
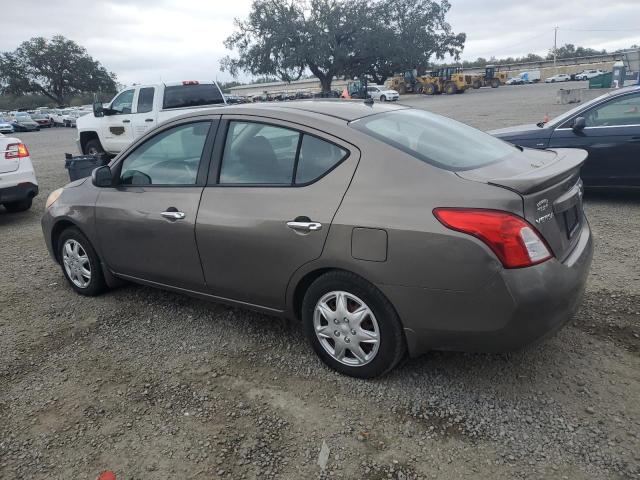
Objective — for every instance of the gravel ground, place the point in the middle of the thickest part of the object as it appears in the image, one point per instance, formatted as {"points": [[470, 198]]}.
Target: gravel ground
{"points": [[150, 384]]}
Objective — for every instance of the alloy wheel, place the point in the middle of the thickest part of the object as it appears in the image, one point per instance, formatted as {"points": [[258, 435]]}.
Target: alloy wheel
{"points": [[346, 328], [76, 263]]}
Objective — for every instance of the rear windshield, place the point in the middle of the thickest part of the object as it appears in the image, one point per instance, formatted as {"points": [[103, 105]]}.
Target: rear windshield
{"points": [[180, 96], [434, 139]]}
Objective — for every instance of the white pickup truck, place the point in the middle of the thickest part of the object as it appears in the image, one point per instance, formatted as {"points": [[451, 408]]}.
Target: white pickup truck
{"points": [[137, 109]]}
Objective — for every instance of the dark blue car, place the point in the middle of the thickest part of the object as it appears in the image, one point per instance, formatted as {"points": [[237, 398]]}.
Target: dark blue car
{"points": [[608, 127]]}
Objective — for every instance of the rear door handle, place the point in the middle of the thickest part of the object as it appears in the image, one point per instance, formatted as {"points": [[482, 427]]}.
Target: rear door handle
{"points": [[173, 215], [148, 119], [304, 226]]}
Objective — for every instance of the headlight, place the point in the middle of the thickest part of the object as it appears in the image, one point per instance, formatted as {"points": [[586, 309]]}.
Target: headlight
{"points": [[53, 196]]}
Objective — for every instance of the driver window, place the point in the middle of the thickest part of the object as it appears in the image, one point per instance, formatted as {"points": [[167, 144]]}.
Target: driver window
{"points": [[123, 102], [169, 158], [618, 112]]}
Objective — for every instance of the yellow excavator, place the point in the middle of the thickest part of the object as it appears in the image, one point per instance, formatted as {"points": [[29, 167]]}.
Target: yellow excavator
{"points": [[491, 78]]}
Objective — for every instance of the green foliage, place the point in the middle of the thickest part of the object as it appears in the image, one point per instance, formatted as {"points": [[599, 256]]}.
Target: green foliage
{"points": [[340, 38], [569, 50], [58, 69]]}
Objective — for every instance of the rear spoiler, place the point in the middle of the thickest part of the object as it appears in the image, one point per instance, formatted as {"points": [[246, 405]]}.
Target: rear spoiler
{"points": [[567, 163]]}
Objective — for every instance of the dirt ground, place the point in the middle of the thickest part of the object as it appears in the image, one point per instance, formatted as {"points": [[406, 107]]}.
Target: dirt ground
{"points": [[152, 384]]}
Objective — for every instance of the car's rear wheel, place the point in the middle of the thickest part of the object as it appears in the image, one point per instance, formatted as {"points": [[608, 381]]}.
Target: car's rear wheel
{"points": [[352, 327], [383, 98], [80, 263], [20, 206]]}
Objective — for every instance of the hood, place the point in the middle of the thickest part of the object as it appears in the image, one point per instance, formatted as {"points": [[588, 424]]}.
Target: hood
{"points": [[526, 128]]}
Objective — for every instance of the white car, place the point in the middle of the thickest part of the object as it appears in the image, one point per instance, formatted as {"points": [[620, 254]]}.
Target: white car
{"points": [[58, 117], [382, 93], [5, 125], [588, 74], [561, 77], [514, 81], [72, 117], [18, 184]]}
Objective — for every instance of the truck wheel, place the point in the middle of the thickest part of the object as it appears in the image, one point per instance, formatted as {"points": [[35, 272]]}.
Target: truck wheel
{"points": [[93, 147], [450, 88], [419, 88], [495, 83], [476, 84], [430, 89]]}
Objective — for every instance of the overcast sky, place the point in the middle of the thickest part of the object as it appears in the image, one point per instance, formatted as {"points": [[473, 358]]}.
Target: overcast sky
{"points": [[146, 41]]}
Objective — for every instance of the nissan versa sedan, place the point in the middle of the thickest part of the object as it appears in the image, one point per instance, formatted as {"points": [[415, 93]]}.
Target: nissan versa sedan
{"points": [[608, 128], [386, 230]]}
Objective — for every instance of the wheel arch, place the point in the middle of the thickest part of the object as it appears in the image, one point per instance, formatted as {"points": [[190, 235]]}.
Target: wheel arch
{"points": [[86, 136], [59, 227]]}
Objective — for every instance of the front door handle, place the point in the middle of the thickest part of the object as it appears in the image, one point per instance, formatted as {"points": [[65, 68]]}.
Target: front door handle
{"points": [[304, 226], [148, 119], [173, 215], [126, 121]]}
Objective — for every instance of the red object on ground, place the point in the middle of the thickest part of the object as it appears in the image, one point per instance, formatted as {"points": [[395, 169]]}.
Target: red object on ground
{"points": [[107, 475]]}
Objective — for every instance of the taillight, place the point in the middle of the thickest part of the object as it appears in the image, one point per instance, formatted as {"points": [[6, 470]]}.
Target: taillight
{"points": [[16, 150], [190, 82], [515, 242]]}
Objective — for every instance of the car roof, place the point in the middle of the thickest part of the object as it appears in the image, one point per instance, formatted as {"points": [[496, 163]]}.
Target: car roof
{"points": [[348, 110]]}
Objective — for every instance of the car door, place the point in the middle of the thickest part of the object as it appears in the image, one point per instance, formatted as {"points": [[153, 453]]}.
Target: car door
{"points": [[146, 221], [144, 117], [273, 191], [611, 136], [117, 131]]}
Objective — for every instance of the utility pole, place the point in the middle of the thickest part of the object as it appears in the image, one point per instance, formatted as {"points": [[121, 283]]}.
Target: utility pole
{"points": [[555, 48]]}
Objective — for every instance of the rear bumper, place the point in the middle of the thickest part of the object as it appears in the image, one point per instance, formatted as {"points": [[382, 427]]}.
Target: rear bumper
{"points": [[514, 309], [18, 192]]}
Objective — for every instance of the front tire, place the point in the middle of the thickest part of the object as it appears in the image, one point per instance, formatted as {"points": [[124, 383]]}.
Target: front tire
{"points": [[93, 147], [351, 325], [80, 263], [383, 98], [19, 206]]}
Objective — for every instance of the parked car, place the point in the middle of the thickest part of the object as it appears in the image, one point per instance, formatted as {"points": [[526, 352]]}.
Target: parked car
{"points": [[561, 77], [588, 74], [5, 125], [385, 229], [70, 120], [137, 109], [607, 127], [382, 93], [22, 122], [514, 81], [59, 116], [18, 184], [43, 120]]}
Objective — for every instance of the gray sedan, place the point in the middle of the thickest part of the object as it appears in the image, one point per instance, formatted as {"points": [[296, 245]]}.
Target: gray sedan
{"points": [[385, 230]]}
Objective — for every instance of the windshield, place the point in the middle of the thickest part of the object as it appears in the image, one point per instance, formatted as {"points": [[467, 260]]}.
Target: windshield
{"points": [[434, 139]]}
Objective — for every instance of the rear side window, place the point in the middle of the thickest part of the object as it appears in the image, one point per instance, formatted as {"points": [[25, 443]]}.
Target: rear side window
{"points": [[317, 157], [434, 139], [181, 96], [145, 100]]}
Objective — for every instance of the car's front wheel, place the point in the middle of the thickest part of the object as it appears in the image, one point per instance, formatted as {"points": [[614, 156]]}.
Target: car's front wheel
{"points": [[93, 147], [383, 98], [351, 325], [80, 263]]}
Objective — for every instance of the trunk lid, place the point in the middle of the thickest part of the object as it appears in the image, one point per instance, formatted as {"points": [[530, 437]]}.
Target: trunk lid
{"points": [[7, 165], [549, 183]]}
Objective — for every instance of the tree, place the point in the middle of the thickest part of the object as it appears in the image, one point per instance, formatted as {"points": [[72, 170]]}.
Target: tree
{"points": [[568, 50], [346, 38], [58, 69]]}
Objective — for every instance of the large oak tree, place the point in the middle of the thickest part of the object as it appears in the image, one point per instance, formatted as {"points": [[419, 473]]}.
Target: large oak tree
{"points": [[57, 68], [347, 38]]}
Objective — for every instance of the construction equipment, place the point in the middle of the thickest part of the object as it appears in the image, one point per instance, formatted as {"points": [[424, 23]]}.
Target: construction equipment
{"points": [[491, 78], [447, 80], [357, 88], [408, 82]]}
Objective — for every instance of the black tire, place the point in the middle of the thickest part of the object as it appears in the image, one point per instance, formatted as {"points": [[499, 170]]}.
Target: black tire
{"points": [[93, 147], [392, 346], [419, 88], [96, 284], [383, 98], [450, 88], [495, 83], [476, 84], [19, 206], [430, 89]]}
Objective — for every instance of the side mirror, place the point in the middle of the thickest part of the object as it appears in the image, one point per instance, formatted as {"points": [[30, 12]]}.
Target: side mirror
{"points": [[101, 176], [98, 110], [579, 124]]}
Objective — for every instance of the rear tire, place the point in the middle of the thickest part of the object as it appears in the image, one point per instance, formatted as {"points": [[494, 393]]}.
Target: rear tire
{"points": [[430, 89], [77, 257], [450, 88], [375, 334], [19, 206], [383, 98]]}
